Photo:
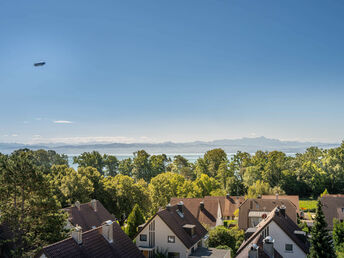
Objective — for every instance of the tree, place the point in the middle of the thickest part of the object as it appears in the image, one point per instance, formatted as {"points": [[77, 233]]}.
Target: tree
{"points": [[163, 187], [121, 194], [46, 159], [157, 164], [125, 167], [141, 166], [213, 159], [27, 204], [91, 159], [222, 236], [206, 184], [135, 219], [259, 188], [338, 235], [181, 166], [321, 246], [71, 186], [111, 165]]}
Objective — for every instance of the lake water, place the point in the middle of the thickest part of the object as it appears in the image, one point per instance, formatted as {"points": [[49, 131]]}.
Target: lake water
{"points": [[191, 157]]}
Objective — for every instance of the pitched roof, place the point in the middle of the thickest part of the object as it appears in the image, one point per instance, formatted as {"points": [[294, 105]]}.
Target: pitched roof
{"points": [[86, 217], [209, 214], [333, 206], [263, 205], [284, 222], [293, 198], [175, 222], [95, 245]]}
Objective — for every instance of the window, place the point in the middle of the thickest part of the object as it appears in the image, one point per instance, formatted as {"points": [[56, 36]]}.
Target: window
{"points": [[171, 239], [342, 209], [288, 247], [266, 232], [143, 237], [173, 255]]}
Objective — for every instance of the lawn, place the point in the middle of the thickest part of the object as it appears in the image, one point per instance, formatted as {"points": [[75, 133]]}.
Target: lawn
{"points": [[308, 205]]}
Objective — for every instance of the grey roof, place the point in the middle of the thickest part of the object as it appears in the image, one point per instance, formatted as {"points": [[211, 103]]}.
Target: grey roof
{"points": [[203, 252]]}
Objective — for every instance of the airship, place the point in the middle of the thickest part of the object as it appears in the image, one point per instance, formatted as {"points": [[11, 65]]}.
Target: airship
{"points": [[39, 64]]}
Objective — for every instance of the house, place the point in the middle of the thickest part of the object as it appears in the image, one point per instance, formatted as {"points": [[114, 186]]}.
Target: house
{"points": [[333, 207], [108, 240], [293, 198], [277, 235], [211, 210], [252, 211], [88, 215], [173, 230]]}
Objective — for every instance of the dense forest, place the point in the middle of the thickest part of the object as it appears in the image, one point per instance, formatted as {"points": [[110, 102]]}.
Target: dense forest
{"points": [[35, 185]]}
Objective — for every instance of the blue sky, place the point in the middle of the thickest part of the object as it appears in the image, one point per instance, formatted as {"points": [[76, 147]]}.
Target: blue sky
{"points": [[179, 70]]}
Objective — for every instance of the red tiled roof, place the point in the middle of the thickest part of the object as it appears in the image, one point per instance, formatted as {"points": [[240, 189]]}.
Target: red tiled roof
{"points": [[95, 245], [86, 217]]}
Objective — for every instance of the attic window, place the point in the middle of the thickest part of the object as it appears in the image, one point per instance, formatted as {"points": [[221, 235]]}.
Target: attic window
{"points": [[171, 239], [289, 248], [190, 229], [343, 210]]}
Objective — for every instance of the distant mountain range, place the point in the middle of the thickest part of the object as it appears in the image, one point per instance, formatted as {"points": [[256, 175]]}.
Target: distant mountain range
{"points": [[230, 146]]}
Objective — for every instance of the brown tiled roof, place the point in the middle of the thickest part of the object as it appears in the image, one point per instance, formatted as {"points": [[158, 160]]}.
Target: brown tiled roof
{"points": [[284, 222], [176, 222], [208, 216], [263, 205], [95, 245], [293, 198], [332, 208], [86, 217]]}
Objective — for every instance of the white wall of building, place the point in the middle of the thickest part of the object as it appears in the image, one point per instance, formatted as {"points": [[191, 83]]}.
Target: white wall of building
{"points": [[162, 231], [281, 239]]}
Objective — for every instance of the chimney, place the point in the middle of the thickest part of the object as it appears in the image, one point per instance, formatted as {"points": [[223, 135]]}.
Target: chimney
{"points": [[268, 246], [253, 253], [94, 205], [77, 204], [107, 230], [282, 210], [201, 206], [227, 196], [277, 196], [168, 207], [180, 207], [77, 234]]}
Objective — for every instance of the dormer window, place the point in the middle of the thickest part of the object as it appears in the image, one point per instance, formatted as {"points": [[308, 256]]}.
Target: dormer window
{"points": [[190, 229]]}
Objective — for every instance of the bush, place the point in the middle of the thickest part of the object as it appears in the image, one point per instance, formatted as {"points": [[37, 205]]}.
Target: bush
{"points": [[222, 236]]}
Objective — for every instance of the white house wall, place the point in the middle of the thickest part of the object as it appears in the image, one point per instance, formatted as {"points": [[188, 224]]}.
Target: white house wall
{"points": [[281, 238], [162, 231]]}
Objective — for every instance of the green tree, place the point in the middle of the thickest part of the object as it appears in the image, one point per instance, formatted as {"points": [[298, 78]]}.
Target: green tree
{"points": [[222, 236], [27, 204], [135, 219], [213, 159], [206, 184], [259, 188], [321, 242], [181, 166], [157, 164], [338, 235], [163, 187], [91, 159], [125, 167], [141, 166], [111, 165], [46, 159]]}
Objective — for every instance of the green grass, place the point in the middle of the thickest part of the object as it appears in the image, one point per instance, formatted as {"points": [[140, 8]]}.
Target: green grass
{"points": [[308, 205]]}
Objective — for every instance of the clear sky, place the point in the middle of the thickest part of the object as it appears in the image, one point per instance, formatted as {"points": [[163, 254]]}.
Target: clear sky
{"points": [[181, 70]]}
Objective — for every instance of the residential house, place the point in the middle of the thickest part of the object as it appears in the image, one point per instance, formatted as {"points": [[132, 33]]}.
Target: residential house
{"points": [[211, 210], [173, 230], [277, 235], [88, 215], [108, 240], [293, 198], [333, 207], [252, 211]]}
